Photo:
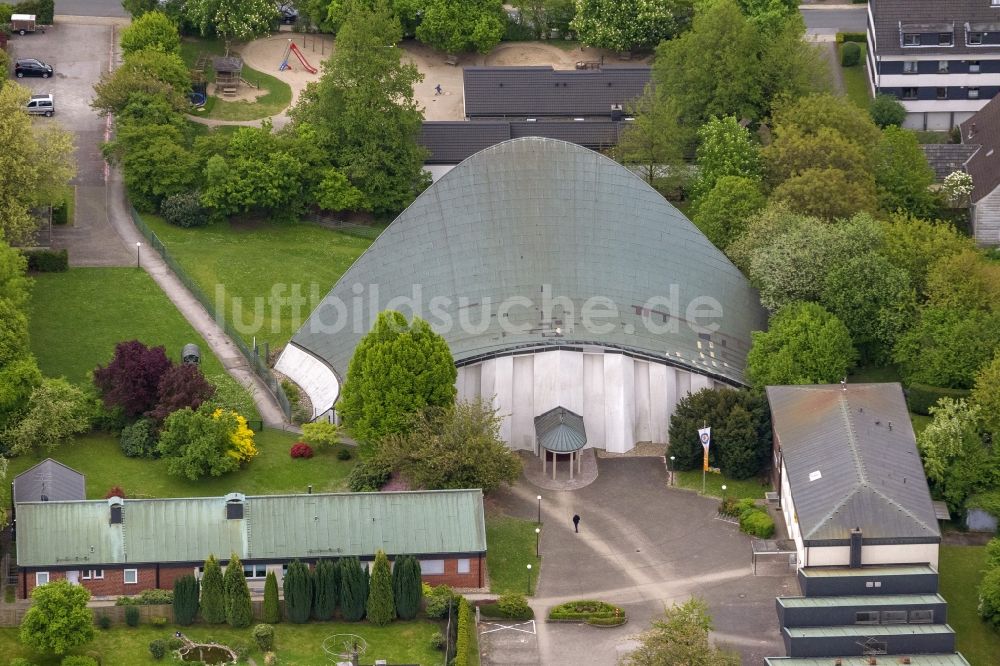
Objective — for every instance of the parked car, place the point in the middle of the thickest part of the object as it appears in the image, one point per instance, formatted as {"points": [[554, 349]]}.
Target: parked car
{"points": [[31, 67], [41, 105], [287, 13]]}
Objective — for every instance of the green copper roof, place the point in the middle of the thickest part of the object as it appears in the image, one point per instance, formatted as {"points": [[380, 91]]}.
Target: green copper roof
{"points": [[862, 600], [272, 527], [953, 659], [514, 247], [560, 430]]}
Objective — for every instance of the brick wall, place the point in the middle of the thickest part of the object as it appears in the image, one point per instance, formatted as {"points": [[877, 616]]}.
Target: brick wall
{"points": [[112, 585], [452, 578]]}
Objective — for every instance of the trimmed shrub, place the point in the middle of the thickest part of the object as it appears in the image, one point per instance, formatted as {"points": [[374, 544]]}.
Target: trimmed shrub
{"points": [[369, 476], [321, 433], [466, 646], [264, 635], [213, 598], [47, 261], [589, 611], [757, 523], [132, 616], [158, 648], [850, 54], [78, 660], [438, 602], [493, 610], [154, 597], [353, 589], [272, 610], [344, 453], [239, 610], [298, 586], [437, 640], [60, 213], [513, 605], [326, 589], [158, 621], [185, 600], [381, 608], [860, 37], [103, 621], [406, 589], [184, 210], [921, 397], [301, 450]]}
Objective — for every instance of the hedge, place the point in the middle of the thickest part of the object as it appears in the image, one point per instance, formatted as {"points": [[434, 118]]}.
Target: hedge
{"points": [[589, 611], [850, 54], [466, 647], [755, 521], [860, 37], [47, 261], [493, 610], [921, 397]]}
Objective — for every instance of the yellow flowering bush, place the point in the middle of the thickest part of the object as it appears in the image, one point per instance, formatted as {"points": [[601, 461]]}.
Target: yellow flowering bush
{"points": [[242, 447]]}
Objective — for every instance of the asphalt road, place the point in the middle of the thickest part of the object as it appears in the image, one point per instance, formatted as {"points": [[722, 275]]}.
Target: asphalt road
{"points": [[831, 21], [111, 8]]}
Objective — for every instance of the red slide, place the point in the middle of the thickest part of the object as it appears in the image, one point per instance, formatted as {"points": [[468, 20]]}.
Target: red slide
{"points": [[305, 63]]}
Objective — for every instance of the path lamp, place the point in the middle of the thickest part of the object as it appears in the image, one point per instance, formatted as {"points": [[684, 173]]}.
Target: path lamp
{"points": [[529, 580], [723, 493], [137, 246], [671, 470], [539, 498], [538, 534]]}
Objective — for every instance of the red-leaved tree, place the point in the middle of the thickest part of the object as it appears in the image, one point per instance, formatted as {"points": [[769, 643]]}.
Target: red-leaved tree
{"points": [[131, 379], [181, 386], [115, 491]]}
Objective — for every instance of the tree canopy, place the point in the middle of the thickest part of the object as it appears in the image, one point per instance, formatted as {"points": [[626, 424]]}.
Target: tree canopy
{"points": [[151, 30], [725, 148], [654, 142], [59, 619], [956, 460], [239, 20], [197, 445], [902, 176], [681, 636], [624, 26], [454, 26]]}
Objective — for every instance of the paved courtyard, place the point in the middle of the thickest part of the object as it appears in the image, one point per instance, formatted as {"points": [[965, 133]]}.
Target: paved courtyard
{"points": [[642, 546]]}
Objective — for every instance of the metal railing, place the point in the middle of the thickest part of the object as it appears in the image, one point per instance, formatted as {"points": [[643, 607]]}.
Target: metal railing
{"points": [[257, 364]]}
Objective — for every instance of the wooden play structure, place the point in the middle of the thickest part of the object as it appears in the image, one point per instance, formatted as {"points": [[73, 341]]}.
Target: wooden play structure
{"points": [[228, 74]]}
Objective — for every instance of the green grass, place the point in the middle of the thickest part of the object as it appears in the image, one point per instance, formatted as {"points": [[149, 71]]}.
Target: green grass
{"points": [[714, 482], [961, 570], [243, 263], [856, 79], [78, 316], [99, 458], [295, 644], [512, 549]]}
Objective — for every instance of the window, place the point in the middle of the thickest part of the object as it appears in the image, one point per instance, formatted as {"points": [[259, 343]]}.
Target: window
{"points": [[93, 574], [41, 577], [866, 617], [911, 39], [255, 571], [432, 567], [131, 576], [944, 38], [463, 565], [909, 93], [973, 67], [942, 66], [975, 38], [942, 93], [893, 617], [921, 616], [910, 67], [973, 93], [995, 3]]}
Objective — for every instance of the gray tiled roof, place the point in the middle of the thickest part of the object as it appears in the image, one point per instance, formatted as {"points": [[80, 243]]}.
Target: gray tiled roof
{"points": [[49, 479], [560, 430], [982, 130], [535, 214], [932, 16], [543, 91], [947, 158], [852, 461], [450, 142]]}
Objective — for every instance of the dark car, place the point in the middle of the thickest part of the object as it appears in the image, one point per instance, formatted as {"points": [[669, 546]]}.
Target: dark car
{"points": [[287, 14], [31, 67]]}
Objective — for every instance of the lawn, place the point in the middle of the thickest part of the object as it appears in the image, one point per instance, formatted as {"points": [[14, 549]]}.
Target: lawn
{"points": [[244, 264], [99, 458], [295, 644], [511, 549], [78, 316], [714, 482], [276, 100], [856, 80], [961, 569]]}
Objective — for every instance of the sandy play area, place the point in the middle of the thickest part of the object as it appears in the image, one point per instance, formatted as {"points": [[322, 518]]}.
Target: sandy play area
{"points": [[265, 55]]}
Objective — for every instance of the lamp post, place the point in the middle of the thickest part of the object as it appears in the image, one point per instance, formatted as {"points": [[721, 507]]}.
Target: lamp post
{"points": [[723, 493], [539, 498], [137, 246], [529, 580], [671, 470], [538, 535]]}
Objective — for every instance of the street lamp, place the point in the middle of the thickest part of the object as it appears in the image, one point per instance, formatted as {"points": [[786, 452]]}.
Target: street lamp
{"points": [[671, 470], [538, 535], [539, 498], [723, 492], [137, 246], [529, 580]]}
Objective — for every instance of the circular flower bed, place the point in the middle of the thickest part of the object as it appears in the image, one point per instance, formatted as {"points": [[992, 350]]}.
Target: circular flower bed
{"points": [[596, 613]]}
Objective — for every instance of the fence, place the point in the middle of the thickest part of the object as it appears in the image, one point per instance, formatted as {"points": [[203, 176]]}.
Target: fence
{"points": [[258, 365]]}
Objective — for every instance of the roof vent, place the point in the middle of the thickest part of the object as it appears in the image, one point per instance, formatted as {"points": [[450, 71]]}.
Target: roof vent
{"points": [[815, 476], [115, 504]]}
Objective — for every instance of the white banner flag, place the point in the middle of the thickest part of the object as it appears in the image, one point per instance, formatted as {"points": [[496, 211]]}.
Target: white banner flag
{"points": [[705, 435]]}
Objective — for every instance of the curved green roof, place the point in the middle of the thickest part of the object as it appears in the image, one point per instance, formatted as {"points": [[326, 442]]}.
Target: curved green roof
{"points": [[509, 250], [560, 430]]}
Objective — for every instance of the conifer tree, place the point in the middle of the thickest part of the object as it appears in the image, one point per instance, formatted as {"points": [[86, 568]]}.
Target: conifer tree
{"points": [[298, 585], [272, 611], [185, 600], [239, 612], [381, 608], [213, 598], [406, 590], [326, 592], [353, 589]]}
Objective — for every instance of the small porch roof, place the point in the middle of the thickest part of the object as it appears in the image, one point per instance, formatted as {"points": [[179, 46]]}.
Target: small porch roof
{"points": [[560, 431]]}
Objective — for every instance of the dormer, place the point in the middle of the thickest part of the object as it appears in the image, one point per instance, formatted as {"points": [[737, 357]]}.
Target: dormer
{"points": [[234, 506], [115, 506]]}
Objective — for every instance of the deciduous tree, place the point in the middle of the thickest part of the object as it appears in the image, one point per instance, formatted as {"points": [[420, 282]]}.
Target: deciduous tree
{"points": [[624, 26], [213, 593], [986, 396], [197, 445], [381, 608], [654, 142], [151, 30], [804, 344], [132, 377], [947, 346], [915, 245], [902, 176], [156, 73], [681, 637], [725, 148], [956, 460], [181, 386], [232, 20], [398, 369], [59, 619], [723, 212], [57, 411], [455, 26], [886, 110], [964, 280]]}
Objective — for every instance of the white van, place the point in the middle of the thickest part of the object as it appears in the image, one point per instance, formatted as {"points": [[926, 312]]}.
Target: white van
{"points": [[41, 105]]}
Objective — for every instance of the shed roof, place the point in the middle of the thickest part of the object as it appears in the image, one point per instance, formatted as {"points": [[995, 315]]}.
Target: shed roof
{"points": [[273, 527], [544, 91], [892, 17], [852, 461], [947, 158], [560, 430], [51, 480]]}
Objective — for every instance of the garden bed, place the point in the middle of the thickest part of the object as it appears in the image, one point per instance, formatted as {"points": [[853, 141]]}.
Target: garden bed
{"points": [[588, 611]]}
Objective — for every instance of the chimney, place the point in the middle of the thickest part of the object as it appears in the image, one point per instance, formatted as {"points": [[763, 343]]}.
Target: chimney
{"points": [[972, 131], [856, 548], [310, 491]]}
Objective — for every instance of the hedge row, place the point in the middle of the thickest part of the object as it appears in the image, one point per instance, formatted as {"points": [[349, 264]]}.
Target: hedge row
{"points": [[466, 646], [589, 611], [754, 520], [921, 397], [852, 37], [493, 610], [47, 261]]}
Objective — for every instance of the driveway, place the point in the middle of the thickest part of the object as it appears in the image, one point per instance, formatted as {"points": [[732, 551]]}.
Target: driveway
{"points": [[644, 546], [79, 51]]}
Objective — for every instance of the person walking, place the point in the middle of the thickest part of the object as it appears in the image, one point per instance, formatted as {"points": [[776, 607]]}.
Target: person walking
{"points": [[576, 523], [437, 90]]}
